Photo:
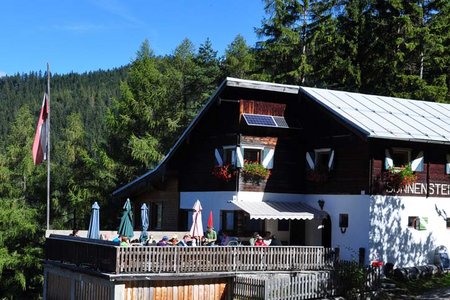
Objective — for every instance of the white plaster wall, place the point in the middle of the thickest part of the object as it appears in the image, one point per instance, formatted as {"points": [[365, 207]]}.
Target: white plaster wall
{"points": [[391, 240], [356, 235]]}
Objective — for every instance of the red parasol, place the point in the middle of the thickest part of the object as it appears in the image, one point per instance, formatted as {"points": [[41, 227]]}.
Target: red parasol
{"points": [[210, 220]]}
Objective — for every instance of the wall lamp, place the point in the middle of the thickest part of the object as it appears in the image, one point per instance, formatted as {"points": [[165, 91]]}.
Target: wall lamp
{"points": [[321, 203], [343, 222]]}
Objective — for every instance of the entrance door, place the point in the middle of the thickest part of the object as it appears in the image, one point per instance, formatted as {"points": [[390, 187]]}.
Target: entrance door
{"points": [[297, 233], [326, 232]]}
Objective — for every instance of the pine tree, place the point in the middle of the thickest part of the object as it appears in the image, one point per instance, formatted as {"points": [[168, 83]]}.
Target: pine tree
{"points": [[238, 61]]}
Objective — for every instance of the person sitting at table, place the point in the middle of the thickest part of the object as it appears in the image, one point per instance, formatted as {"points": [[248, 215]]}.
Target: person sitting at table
{"points": [[252, 240], [225, 239], [275, 241], [186, 241], [163, 241], [151, 241], [267, 238], [124, 241], [74, 232], [173, 241], [210, 236], [260, 241]]}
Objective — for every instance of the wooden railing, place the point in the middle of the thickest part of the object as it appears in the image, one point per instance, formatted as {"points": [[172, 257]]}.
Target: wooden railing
{"points": [[154, 259]]}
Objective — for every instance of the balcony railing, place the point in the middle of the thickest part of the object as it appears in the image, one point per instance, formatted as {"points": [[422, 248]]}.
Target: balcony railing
{"points": [[109, 257]]}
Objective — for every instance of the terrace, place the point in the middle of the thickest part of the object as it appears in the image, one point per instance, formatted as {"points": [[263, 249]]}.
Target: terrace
{"points": [[108, 257], [94, 269]]}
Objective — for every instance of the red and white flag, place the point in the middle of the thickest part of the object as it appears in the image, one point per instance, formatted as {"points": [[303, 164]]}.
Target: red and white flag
{"points": [[40, 139]]}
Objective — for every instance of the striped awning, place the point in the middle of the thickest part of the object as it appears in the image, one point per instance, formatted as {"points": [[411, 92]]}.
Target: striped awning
{"points": [[280, 210]]}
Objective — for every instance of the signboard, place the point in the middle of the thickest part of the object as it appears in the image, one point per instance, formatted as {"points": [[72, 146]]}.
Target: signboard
{"points": [[418, 188]]}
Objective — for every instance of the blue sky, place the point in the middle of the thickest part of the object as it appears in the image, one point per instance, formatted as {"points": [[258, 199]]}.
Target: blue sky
{"points": [[87, 35]]}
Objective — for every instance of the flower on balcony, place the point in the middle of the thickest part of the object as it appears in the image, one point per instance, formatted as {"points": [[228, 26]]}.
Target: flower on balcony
{"points": [[398, 178], [225, 172], [318, 175], [254, 172]]}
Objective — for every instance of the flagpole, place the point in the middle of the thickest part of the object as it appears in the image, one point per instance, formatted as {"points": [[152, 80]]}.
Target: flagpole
{"points": [[48, 148]]}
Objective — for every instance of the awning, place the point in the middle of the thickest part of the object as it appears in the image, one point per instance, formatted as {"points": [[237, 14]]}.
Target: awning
{"points": [[280, 210]]}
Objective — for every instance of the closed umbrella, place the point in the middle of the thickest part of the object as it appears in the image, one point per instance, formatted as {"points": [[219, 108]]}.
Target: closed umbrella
{"points": [[126, 222], [197, 224], [94, 223], [145, 221]]}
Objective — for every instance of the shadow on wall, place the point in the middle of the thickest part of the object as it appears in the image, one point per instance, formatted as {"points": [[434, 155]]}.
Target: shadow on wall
{"points": [[391, 241]]}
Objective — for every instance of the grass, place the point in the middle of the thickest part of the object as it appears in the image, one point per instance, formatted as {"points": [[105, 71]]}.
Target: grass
{"points": [[422, 285]]}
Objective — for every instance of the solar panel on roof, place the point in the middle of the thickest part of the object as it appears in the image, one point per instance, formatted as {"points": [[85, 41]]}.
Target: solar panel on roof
{"points": [[281, 122], [260, 120], [265, 120]]}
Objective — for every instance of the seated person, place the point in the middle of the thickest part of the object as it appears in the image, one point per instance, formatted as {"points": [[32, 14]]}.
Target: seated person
{"points": [[252, 240], [275, 241], [267, 238], [173, 241], [74, 232], [124, 241], [186, 241], [163, 241], [225, 239], [259, 241], [210, 236], [116, 239], [151, 241]]}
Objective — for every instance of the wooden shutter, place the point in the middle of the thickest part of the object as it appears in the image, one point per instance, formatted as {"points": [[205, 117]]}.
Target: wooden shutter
{"points": [[239, 157], [447, 166], [218, 156], [331, 160], [417, 164], [267, 161], [388, 162], [310, 160]]}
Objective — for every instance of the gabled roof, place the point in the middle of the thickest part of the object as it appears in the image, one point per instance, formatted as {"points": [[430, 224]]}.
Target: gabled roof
{"points": [[228, 82], [387, 117]]}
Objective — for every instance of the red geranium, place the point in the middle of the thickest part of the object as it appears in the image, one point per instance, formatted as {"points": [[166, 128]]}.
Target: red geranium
{"points": [[225, 172]]}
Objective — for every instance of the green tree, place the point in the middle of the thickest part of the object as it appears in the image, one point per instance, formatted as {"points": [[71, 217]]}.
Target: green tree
{"points": [[21, 238], [143, 120], [238, 61], [283, 52]]}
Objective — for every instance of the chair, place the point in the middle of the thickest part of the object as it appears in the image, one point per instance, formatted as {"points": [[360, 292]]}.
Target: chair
{"points": [[234, 242]]}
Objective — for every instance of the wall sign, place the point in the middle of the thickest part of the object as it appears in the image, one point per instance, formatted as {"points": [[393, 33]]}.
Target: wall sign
{"points": [[418, 188]]}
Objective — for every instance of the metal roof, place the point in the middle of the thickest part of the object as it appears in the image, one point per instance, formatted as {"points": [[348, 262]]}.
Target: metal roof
{"points": [[280, 210], [387, 117]]}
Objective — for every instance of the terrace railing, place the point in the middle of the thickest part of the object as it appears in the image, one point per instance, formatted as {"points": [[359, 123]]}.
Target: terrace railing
{"points": [[109, 257]]}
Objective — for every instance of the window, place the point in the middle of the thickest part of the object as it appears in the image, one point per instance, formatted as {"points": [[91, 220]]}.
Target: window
{"points": [[229, 155], [447, 165], [402, 157], [320, 159], [412, 221], [283, 225], [419, 223], [238, 222], [253, 155], [156, 215], [225, 155]]}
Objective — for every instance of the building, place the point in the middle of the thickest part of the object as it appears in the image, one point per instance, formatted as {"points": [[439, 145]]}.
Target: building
{"points": [[364, 173]]}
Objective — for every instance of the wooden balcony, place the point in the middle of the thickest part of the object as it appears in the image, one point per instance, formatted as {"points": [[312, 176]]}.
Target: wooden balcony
{"points": [[108, 257]]}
